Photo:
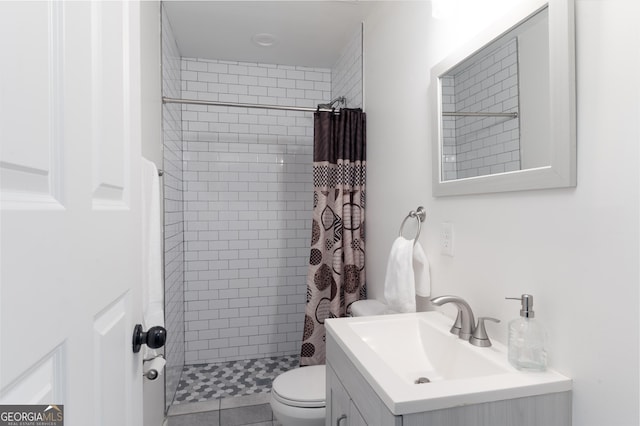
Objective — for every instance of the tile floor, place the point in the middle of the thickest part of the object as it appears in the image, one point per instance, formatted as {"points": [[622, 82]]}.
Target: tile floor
{"points": [[234, 393], [250, 410]]}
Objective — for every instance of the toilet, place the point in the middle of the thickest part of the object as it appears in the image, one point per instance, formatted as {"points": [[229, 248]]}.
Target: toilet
{"points": [[298, 395]]}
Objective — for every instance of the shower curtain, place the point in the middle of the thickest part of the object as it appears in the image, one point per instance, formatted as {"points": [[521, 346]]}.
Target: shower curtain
{"points": [[336, 275]]}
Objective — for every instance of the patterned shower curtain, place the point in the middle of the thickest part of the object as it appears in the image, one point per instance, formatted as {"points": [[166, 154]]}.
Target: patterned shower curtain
{"points": [[336, 276]]}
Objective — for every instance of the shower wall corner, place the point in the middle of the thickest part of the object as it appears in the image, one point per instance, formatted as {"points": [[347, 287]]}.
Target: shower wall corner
{"points": [[173, 213]]}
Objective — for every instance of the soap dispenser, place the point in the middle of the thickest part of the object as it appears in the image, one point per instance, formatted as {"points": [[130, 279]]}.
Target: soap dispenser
{"points": [[527, 338]]}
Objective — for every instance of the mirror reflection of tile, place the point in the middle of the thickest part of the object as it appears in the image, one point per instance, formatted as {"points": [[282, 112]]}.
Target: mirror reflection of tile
{"points": [[477, 145], [493, 105]]}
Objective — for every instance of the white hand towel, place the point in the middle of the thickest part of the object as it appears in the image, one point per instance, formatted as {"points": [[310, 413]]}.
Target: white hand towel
{"points": [[152, 287], [421, 270], [399, 283]]}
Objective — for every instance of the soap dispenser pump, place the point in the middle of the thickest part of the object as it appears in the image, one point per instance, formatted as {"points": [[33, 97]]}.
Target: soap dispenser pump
{"points": [[527, 338]]}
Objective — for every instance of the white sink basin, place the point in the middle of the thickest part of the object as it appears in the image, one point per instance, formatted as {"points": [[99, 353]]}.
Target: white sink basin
{"points": [[393, 351], [411, 347]]}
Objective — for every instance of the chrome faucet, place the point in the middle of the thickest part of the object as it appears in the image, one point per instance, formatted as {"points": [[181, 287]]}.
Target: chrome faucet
{"points": [[465, 322]]}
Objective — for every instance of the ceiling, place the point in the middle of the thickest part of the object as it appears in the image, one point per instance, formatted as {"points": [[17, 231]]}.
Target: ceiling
{"points": [[307, 33]]}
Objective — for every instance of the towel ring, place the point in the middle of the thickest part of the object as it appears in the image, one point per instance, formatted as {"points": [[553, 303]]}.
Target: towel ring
{"points": [[419, 214]]}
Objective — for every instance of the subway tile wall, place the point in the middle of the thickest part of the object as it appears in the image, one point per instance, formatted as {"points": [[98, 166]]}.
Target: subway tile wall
{"points": [[449, 169], [248, 195], [173, 213], [346, 74], [487, 145]]}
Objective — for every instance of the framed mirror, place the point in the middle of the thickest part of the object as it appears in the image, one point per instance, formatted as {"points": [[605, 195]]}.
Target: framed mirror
{"points": [[504, 105]]}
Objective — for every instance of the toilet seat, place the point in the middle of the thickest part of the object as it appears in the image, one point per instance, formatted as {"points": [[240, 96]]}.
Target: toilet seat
{"points": [[302, 387]]}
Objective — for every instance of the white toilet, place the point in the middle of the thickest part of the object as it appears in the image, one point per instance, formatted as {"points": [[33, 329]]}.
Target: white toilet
{"points": [[298, 395]]}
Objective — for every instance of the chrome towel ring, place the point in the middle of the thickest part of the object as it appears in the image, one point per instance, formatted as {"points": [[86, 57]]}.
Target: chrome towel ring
{"points": [[419, 214]]}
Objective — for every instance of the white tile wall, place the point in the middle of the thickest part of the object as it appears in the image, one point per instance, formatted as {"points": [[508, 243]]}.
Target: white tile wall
{"points": [[346, 74], [248, 195], [486, 145], [173, 217]]}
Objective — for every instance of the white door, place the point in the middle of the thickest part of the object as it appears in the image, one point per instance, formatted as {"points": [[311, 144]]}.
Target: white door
{"points": [[70, 208]]}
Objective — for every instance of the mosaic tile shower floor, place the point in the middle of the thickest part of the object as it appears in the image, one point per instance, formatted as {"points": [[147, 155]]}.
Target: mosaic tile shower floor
{"points": [[203, 382]]}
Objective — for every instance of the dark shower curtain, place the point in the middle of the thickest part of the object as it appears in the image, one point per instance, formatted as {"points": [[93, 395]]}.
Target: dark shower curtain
{"points": [[336, 275]]}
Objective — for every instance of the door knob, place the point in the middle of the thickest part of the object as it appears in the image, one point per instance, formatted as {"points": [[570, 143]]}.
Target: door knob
{"points": [[155, 337]]}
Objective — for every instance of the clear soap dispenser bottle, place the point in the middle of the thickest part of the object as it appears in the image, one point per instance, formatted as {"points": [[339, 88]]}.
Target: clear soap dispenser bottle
{"points": [[527, 338]]}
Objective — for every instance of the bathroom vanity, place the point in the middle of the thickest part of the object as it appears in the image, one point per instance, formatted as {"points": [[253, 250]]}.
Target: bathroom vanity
{"points": [[373, 364]]}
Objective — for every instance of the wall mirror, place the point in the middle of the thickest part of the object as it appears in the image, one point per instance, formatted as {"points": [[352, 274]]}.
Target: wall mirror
{"points": [[504, 105]]}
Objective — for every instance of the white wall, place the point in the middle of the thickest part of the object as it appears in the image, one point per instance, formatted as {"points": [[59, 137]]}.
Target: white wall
{"points": [[533, 62], [576, 250]]}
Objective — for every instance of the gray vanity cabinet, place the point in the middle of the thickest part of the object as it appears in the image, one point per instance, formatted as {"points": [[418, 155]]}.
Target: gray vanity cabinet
{"points": [[342, 410], [350, 395]]}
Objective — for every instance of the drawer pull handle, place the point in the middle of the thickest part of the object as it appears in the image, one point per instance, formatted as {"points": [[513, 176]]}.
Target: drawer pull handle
{"points": [[340, 419]]}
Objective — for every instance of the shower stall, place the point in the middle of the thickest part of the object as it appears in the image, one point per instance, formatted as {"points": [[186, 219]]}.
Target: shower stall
{"points": [[238, 191]]}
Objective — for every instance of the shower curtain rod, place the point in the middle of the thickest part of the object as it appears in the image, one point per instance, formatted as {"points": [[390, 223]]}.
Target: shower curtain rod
{"points": [[242, 105], [481, 114]]}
